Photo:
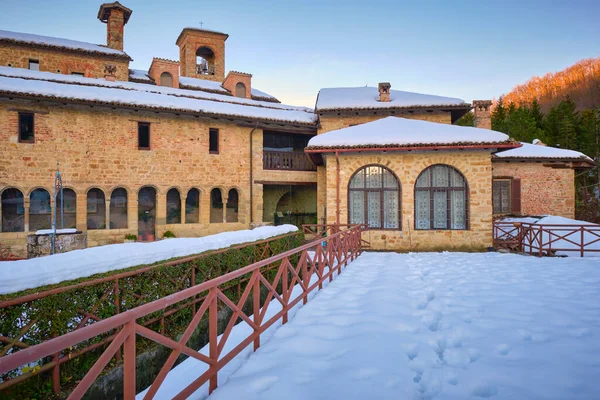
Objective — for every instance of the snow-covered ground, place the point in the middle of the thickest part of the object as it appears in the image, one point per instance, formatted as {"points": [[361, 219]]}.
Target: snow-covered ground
{"points": [[431, 325], [25, 274]]}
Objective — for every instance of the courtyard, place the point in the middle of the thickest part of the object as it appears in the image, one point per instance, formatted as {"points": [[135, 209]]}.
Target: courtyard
{"points": [[430, 325]]}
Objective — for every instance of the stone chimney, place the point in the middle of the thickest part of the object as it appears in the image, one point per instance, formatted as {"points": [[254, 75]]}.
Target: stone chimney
{"points": [[482, 117], [538, 142], [115, 16], [384, 91]]}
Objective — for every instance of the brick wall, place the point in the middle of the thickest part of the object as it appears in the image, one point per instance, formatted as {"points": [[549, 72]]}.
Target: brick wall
{"points": [[474, 165], [544, 190], [55, 61], [189, 44]]}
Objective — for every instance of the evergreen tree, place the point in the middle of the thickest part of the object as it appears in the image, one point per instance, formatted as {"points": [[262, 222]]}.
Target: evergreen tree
{"points": [[498, 116], [466, 120]]}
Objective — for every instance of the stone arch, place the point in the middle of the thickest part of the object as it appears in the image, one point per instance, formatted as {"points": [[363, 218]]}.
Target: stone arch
{"points": [[119, 204], [12, 211], [147, 200], [205, 60], [233, 204], [216, 205], [95, 208], [192, 205], [173, 215], [40, 208]]}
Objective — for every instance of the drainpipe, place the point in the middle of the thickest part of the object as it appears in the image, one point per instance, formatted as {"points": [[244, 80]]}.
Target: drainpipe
{"points": [[337, 188], [251, 177]]}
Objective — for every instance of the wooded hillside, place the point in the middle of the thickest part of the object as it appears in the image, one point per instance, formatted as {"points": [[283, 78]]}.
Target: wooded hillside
{"points": [[580, 82]]}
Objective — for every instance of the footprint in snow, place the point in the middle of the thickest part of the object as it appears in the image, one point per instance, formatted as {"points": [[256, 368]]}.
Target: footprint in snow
{"points": [[263, 383], [503, 349], [484, 391]]}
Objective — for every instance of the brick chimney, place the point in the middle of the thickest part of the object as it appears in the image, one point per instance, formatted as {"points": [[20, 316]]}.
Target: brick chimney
{"points": [[482, 117], [115, 16], [384, 91]]}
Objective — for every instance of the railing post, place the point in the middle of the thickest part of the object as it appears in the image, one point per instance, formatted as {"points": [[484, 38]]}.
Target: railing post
{"points": [[256, 308], [305, 277], [129, 372], [284, 289], [582, 241], [540, 241], [212, 337], [56, 371], [117, 303]]}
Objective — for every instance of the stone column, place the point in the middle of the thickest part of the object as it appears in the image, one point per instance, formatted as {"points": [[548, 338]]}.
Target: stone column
{"points": [[183, 199], [161, 214], [107, 212], [132, 211], [26, 204], [225, 200]]}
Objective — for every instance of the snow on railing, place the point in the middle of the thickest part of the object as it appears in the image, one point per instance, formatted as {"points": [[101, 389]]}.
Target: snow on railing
{"points": [[321, 259], [548, 239]]}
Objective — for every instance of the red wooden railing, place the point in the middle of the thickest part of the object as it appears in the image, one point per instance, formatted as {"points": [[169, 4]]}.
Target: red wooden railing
{"points": [[547, 239], [113, 288], [287, 160], [320, 259]]}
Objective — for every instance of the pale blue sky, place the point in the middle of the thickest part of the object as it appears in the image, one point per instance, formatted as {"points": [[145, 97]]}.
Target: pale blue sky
{"points": [[467, 49]]}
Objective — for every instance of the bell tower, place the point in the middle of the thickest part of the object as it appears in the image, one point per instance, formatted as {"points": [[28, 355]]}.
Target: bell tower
{"points": [[202, 54]]}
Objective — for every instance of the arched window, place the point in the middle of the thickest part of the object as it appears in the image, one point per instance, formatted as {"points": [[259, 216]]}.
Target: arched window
{"points": [[441, 198], [118, 209], [69, 205], [374, 198], [232, 206], [40, 215], [173, 207], [166, 79], [13, 211], [192, 207], [216, 206], [96, 209], [240, 90]]}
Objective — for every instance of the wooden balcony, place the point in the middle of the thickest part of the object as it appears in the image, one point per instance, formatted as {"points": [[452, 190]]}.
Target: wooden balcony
{"points": [[287, 160]]}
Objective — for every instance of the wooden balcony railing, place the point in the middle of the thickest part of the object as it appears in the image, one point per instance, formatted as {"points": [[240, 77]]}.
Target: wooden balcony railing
{"points": [[287, 160]]}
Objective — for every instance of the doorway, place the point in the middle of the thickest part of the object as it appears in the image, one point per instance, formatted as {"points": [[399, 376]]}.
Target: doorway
{"points": [[146, 214]]}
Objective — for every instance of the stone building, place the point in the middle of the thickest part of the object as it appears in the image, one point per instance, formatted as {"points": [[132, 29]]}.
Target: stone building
{"points": [[186, 147]]}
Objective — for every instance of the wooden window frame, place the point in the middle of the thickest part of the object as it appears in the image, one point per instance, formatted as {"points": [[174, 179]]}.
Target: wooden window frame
{"points": [[210, 132], [510, 195], [381, 191], [433, 189], [32, 126], [140, 124]]}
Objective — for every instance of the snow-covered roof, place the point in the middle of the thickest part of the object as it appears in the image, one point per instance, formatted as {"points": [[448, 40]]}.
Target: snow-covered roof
{"points": [[367, 98], [49, 41], [46, 84], [260, 93], [536, 151], [202, 84], [400, 132], [139, 75]]}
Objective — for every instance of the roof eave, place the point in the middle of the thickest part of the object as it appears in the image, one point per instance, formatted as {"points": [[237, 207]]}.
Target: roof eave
{"points": [[124, 56], [465, 106]]}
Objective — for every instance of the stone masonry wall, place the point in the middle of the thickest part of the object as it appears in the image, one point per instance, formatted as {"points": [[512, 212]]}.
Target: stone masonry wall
{"points": [[544, 190], [330, 123], [92, 66], [97, 148], [476, 166]]}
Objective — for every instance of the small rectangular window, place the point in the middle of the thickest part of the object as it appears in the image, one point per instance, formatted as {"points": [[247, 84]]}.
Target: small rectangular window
{"points": [[501, 196], [77, 73], [143, 136], [26, 128], [213, 141], [34, 65]]}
